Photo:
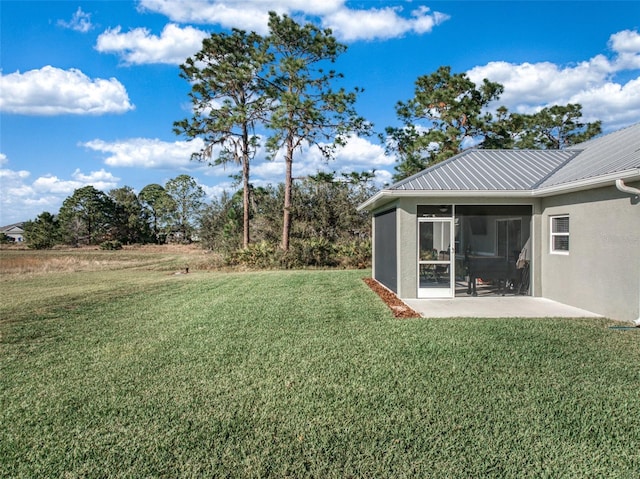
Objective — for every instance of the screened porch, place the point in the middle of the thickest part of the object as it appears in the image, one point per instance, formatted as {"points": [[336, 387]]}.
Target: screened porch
{"points": [[490, 254]]}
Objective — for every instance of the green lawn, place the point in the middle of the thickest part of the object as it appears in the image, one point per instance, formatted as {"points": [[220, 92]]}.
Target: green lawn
{"points": [[141, 373]]}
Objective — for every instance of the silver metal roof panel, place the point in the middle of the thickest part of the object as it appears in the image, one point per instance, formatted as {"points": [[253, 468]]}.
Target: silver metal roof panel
{"points": [[616, 152], [489, 170]]}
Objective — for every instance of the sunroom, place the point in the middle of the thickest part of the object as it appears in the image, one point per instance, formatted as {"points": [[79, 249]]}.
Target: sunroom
{"points": [[473, 250], [427, 249]]}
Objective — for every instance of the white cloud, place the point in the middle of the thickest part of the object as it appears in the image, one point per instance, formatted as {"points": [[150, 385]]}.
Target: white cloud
{"points": [[359, 154], [80, 22], [218, 189], [529, 87], [249, 15], [12, 175], [22, 199], [383, 178], [101, 180], [147, 152], [615, 104], [53, 184], [139, 46], [52, 91], [347, 24], [626, 41], [384, 23], [13, 193], [271, 171], [627, 45]]}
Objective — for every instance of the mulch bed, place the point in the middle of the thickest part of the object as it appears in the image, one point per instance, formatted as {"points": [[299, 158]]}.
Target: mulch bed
{"points": [[397, 306]]}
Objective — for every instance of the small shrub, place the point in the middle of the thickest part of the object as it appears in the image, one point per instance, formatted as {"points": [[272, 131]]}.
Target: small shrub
{"points": [[355, 254], [318, 252], [40, 243], [111, 245], [303, 253], [256, 255]]}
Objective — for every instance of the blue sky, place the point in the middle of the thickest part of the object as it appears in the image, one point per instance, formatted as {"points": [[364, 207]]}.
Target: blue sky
{"points": [[89, 91]]}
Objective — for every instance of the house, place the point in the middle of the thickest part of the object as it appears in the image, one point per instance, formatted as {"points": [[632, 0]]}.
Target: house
{"points": [[14, 232], [558, 224]]}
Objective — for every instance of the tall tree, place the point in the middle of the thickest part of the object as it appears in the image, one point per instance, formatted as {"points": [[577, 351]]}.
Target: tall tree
{"points": [[188, 198], [505, 130], [86, 217], [307, 111], [557, 127], [43, 232], [128, 222], [448, 114], [445, 113], [157, 205], [228, 101]]}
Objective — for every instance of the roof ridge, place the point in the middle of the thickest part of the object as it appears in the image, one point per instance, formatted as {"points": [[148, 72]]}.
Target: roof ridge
{"points": [[559, 167]]}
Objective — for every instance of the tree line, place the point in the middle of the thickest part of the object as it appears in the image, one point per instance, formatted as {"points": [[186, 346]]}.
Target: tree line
{"points": [[328, 230], [156, 214]]}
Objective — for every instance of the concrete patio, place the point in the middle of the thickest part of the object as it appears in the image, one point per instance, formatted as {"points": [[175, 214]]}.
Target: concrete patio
{"points": [[496, 307]]}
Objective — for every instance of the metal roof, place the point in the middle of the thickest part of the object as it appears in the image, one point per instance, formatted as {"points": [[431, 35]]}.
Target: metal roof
{"points": [[616, 152], [594, 163], [487, 170]]}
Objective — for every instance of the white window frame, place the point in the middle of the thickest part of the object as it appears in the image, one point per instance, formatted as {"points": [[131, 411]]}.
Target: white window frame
{"points": [[553, 234]]}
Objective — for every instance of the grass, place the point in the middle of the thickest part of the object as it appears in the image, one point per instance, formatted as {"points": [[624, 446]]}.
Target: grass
{"points": [[14, 261], [135, 372]]}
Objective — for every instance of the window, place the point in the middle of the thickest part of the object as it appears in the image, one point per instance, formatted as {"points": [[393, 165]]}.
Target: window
{"points": [[560, 234]]}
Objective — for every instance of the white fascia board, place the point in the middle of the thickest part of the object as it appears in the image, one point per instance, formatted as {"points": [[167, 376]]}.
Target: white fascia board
{"points": [[588, 183]]}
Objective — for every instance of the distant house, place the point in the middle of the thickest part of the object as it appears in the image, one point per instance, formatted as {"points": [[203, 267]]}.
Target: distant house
{"points": [[14, 232], [559, 224]]}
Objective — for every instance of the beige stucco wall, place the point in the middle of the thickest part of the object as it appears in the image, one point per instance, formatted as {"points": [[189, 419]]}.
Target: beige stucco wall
{"points": [[407, 248], [601, 273]]}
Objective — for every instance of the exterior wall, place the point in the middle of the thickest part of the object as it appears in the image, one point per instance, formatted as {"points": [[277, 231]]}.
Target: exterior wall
{"points": [[601, 273], [408, 248], [537, 239], [405, 255]]}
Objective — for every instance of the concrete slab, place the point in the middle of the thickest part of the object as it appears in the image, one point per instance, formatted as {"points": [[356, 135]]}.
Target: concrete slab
{"points": [[496, 307]]}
